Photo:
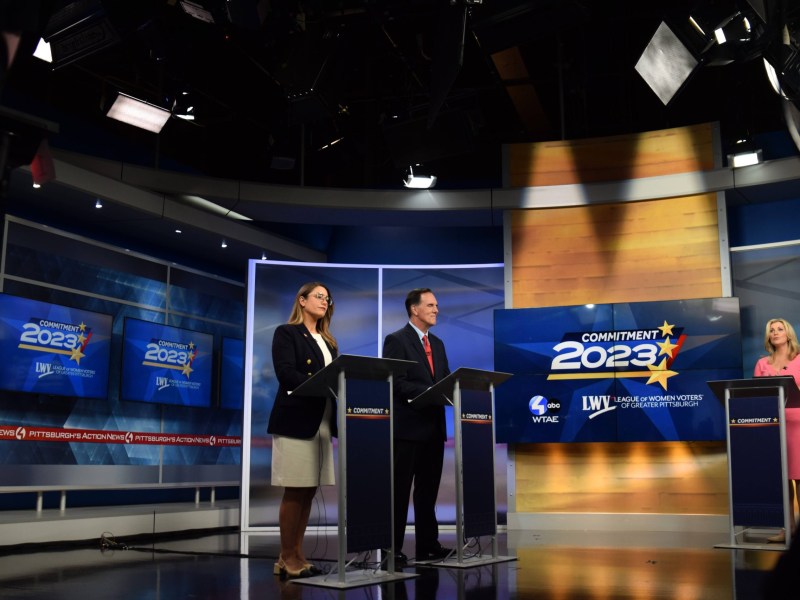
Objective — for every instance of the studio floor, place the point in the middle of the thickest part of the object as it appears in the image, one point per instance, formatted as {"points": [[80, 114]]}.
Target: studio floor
{"points": [[558, 565]]}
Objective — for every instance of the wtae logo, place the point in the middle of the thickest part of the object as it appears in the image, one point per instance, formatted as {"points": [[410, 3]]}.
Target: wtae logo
{"points": [[544, 410], [44, 369], [597, 405]]}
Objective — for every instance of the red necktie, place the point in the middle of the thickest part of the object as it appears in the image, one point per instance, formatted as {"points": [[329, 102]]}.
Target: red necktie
{"points": [[428, 352]]}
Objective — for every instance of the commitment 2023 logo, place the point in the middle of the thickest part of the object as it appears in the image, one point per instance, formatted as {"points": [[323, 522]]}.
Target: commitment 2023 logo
{"points": [[55, 337], [620, 354], [170, 355]]}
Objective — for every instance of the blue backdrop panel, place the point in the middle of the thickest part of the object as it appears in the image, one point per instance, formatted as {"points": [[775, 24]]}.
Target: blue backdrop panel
{"points": [[616, 372], [52, 349], [369, 500], [477, 453], [754, 453]]}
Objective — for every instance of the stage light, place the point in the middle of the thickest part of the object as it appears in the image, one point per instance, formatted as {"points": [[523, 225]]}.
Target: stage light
{"points": [[183, 107], [198, 11], [418, 181], [138, 113], [666, 63], [43, 51], [98, 203], [224, 244], [745, 159]]}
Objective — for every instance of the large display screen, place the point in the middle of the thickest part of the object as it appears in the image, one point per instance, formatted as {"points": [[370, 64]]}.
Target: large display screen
{"points": [[616, 372], [165, 365], [54, 350], [231, 374]]}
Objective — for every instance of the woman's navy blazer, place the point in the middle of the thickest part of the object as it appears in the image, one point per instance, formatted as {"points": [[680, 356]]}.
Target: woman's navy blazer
{"points": [[296, 357]]}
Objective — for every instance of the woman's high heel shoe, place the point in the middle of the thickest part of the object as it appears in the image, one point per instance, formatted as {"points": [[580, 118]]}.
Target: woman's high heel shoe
{"points": [[778, 539], [285, 572]]}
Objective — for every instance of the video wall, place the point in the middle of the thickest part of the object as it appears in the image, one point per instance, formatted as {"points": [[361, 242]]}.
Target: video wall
{"points": [[616, 372], [52, 349]]}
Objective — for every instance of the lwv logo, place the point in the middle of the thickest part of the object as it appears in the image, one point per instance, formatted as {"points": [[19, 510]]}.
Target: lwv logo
{"points": [[44, 369]]}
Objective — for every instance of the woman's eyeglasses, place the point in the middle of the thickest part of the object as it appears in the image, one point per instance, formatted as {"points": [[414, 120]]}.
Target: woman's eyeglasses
{"points": [[321, 296]]}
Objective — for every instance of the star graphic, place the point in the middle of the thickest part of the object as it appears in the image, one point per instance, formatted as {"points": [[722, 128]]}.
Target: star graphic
{"points": [[660, 374], [82, 326], [666, 347], [81, 339], [666, 329], [191, 345], [76, 354], [187, 368]]}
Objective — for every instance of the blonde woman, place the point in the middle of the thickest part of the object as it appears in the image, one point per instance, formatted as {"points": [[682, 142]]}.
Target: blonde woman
{"points": [[780, 341]]}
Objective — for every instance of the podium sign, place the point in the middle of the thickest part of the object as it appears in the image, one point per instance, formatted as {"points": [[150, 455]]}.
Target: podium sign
{"points": [[756, 436], [471, 393], [362, 386]]}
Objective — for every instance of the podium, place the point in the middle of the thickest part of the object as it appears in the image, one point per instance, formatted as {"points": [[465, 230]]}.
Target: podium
{"points": [[362, 386], [757, 469], [471, 394]]}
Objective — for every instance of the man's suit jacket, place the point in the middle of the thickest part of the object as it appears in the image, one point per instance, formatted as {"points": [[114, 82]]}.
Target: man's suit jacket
{"points": [[296, 356], [412, 423]]}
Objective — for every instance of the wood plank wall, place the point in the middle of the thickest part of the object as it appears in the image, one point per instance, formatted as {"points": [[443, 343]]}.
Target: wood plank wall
{"points": [[627, 252]]}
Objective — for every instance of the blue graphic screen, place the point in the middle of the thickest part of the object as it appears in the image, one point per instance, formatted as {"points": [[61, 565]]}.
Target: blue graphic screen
{"points": [[165, 365], [231, 374], [616, 372], [52, 349]]}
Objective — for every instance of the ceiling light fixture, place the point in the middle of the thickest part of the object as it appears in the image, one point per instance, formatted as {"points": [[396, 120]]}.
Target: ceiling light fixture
{"points": [[98, 203], [138, 113], [224, 244], [745, 159], [183, 107], [43, 51], [196, 10], [418, 181]]}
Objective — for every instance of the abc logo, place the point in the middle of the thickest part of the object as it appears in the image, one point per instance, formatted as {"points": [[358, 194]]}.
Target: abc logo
{"points": [[539, 405]]}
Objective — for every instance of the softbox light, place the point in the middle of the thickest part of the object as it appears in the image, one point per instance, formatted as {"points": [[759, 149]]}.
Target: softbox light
{"points": [[666, 64]]}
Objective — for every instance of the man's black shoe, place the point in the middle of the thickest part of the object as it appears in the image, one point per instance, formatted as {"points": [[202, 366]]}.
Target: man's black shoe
{"points": [[438, 552]]}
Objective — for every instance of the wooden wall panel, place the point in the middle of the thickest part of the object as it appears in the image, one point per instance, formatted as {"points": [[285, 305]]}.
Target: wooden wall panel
{"points": [[616, 158], [651, 478], [631, 252]]}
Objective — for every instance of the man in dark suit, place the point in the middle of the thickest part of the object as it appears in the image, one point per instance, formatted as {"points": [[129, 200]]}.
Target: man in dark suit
{"points": [[419, 432]]}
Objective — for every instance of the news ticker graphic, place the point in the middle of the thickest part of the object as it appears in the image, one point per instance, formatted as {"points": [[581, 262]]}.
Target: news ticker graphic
{"points": [[23, 433]]}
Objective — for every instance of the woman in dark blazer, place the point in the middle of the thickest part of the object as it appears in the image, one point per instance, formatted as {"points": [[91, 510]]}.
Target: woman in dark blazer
{"points": [[301, 426]]}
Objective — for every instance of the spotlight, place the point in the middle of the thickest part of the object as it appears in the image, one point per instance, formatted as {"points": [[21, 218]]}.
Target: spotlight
{"points": [[98, 203], [224, 244], [744, 159], [183, 107], [744, 153], [263, 256], [138, 113], [417, 180], [666, 63], [43, 51]]}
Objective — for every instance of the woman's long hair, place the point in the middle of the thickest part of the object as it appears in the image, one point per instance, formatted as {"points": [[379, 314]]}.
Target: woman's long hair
{"points": [[791, 338], [323, 324]]}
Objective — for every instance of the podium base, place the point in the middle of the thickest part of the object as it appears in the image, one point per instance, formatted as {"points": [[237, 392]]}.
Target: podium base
{"points": [[755, 538], [754, 546], [352, 579], [464, 563]]}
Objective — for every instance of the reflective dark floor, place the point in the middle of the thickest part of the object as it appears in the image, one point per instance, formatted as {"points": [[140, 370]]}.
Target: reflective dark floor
{"points": [[555, 565]]}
